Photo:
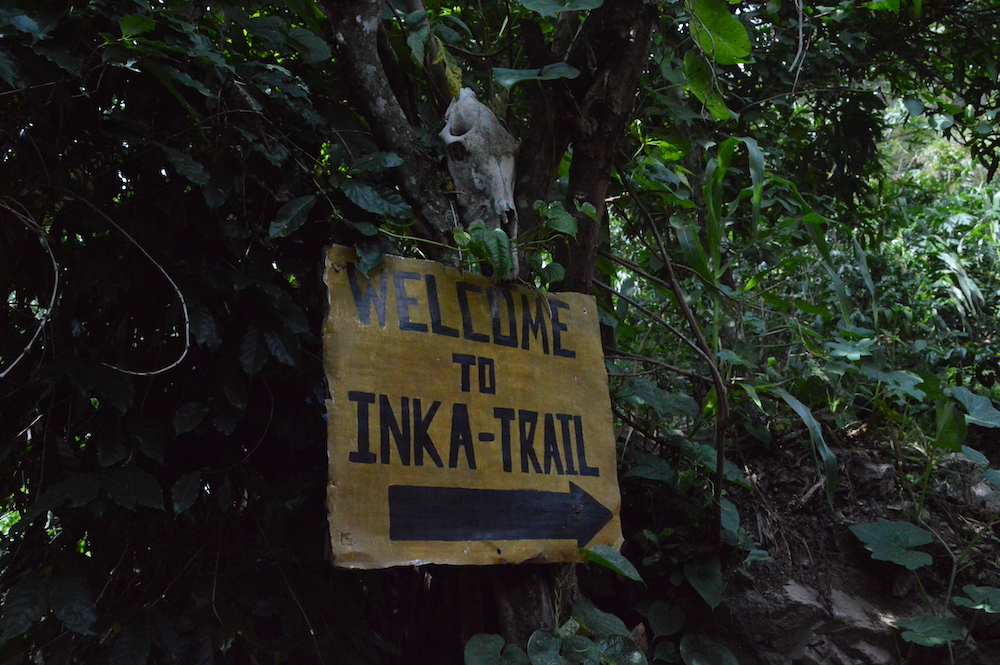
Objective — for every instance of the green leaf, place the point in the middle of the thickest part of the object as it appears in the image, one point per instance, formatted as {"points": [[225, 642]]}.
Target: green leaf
{"points": [[979, 409], [185, 491], [556, 7], [719, 34], [931, 631], [131, 647], [950, 427], [133, 25], [24, 604], [697, 649], [131, 487], [543, 648], [992, 476], [913, 106], [253, 351], [377, 161], [417, 41], [310, 46], [618, 649], [365, 197], [705, 575], [612, 559], [284, 351], [189, 416], [665, 619], [652, 467], [186, 166], [974, 455], [72, 601], [508, 78], [985, 598], [817, 440], [900, 382], [601, 624], [691, 248], [28, 25], [483, 649], [291, 216], [891, 541]]}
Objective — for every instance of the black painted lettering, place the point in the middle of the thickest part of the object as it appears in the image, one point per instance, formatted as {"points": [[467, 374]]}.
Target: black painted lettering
{"points": [[434, 305], [558, 328], [363, 455], [533, 326], [551, 446], [505, 416], [466, 361], [364, 301], [567, 442], [581, 451], [421, 438], [461, 437], [463, 290], [510, 339], [398, 430], [527, 423], [403, 301], [487, 376]]}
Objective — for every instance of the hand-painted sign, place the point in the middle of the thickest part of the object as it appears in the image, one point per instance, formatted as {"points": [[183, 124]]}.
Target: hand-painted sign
{"points": [[469, 422]]}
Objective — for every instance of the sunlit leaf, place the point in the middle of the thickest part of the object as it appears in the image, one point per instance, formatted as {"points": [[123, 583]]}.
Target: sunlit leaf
{"points": [[719, 34]]}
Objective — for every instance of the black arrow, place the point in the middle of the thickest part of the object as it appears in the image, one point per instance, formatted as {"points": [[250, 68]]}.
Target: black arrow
{"points": [[455, 513]]}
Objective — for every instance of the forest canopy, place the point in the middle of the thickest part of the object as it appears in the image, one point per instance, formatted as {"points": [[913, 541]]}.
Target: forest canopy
{"points": [[786, 212]]}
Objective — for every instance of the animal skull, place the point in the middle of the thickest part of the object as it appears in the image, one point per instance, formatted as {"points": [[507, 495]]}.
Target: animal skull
{"points": [[481, 161]]}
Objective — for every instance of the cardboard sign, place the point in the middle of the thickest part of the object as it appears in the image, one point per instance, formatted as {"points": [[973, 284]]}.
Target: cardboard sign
{"points": [[469, 422]]}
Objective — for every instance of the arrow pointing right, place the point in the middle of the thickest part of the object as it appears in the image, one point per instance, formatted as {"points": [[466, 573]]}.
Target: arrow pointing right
{"points": [[456, 514]]}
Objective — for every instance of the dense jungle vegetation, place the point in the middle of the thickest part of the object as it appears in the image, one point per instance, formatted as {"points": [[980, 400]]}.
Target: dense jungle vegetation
{"points": [[786, 210]]}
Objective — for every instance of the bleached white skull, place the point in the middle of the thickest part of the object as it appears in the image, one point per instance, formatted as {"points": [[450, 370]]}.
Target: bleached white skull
{"points": [[481, 161]]}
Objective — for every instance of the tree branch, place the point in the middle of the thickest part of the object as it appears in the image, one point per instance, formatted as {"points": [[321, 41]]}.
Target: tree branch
{"points": [[356, 26]]}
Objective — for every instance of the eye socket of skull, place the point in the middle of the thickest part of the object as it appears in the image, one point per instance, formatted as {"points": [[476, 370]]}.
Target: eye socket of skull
{"points": [[456, 151]]}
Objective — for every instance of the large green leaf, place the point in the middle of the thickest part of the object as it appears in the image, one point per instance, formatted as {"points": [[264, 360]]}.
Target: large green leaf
{"points": [[892, 541], [931, 631], [818, 442], [979, 410], [23, 605], [131, 487], [612, 559], [665, 618], [985, 598], [544, 647], [291, 216], [508, 78], [484, 649], [596, 622], [698, 649], [719, 34], [705, 575], [951, 427], [556, 7]]}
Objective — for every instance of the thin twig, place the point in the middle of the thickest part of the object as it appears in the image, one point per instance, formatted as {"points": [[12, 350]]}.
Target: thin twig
{"points": [[177, 290], [722, 421], [26, 219], [667, 366]]}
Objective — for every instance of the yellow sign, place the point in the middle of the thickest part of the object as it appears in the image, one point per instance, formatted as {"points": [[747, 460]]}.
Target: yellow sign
{"points": [[469, 422]]}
